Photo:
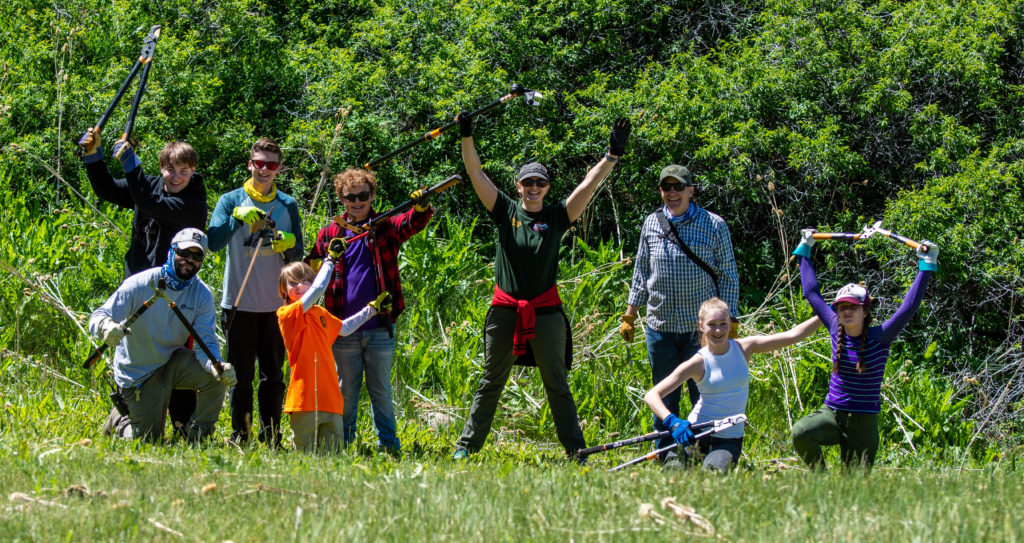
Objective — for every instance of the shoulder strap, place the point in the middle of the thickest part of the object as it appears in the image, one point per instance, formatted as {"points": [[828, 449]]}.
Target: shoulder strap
{"points": [[673, 234]]}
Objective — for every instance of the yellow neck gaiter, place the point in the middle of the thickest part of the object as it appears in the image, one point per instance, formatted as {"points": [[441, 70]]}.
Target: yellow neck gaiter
{"points": [[256, 195]]}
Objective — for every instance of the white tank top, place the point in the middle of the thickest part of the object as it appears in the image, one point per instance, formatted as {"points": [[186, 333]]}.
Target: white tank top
{"points": [[723, 389]]}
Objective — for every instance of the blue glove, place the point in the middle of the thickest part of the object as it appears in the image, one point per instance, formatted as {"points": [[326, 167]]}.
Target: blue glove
{"points": [[806, 242], [928, 261], [681, 432], [92, 150], [123, 151]]}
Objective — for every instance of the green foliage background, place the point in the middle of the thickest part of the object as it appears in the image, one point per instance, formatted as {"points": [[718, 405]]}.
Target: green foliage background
{"points": [[792, 113]]}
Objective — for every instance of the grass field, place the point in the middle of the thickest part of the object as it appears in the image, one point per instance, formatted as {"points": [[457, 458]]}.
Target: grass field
{"points": [[63, 481], [116, 491]]}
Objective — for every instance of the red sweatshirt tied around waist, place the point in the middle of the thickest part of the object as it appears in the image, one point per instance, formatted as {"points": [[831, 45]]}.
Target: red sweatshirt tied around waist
{"points": [[526, 318]]}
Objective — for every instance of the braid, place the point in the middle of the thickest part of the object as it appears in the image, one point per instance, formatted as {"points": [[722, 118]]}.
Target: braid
{"points": [[839, 349], [863, 342]]}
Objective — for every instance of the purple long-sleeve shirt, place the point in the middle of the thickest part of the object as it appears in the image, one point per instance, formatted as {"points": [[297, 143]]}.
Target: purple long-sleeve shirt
{"points": [[849, 390]]}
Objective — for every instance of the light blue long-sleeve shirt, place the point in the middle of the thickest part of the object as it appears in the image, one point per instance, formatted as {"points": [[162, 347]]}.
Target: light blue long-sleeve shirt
{"points": [[157, 333]]}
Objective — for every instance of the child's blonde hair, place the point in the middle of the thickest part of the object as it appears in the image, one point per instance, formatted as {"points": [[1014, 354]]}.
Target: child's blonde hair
{"points": [[706, 308], [295, 272]]}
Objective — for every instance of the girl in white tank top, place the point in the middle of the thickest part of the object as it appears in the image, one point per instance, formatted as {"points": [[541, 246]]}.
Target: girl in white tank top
{"points": [[723, 377]]}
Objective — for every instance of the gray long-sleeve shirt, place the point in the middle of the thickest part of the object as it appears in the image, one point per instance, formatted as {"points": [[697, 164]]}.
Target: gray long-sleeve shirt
{"points": [[157, 333]]}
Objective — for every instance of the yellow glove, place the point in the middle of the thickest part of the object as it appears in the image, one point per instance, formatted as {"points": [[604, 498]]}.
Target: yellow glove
{"points": [[248, 214], [626, 329], [283, 242], [336, 248], [382, 304], [422, 202]]}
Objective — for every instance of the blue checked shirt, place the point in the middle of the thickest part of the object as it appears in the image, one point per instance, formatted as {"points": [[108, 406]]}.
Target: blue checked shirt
{"points": [[670, 284]]}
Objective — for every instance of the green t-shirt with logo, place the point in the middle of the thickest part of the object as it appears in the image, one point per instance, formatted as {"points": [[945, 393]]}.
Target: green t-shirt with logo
{"points": [[526, 264]]}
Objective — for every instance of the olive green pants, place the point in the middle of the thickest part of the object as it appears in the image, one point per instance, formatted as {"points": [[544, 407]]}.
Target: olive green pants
{"points": [[549, 352], [855, 433]]}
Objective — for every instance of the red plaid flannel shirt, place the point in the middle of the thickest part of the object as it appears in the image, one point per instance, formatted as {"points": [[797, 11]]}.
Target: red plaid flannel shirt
{"points": [[391, 234]]}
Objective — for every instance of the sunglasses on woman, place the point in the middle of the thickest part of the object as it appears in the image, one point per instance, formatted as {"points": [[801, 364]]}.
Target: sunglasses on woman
{"points": [[540, 183], [261, 164], [361, 196]]}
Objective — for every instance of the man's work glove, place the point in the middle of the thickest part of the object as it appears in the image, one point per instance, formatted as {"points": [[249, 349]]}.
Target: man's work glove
{"points": [[928, 261], [336, 248], [681, 432], [422, 202], [283, 241], [248, 214], [92, 148], [227, 375], [111, 332], [465, 124], [123, 151], [806, 242], [619, 137], [627, 330], [382, 304]]}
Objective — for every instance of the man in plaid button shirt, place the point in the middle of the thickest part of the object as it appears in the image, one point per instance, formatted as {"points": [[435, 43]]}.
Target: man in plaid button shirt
{"points": [[672, 285]]}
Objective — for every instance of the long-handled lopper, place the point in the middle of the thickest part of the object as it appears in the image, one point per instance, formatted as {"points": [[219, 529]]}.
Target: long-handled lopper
{"points": [[144, 62], [95, 356], [214, 359], [716, 426], [583, 453], [531, 98], [402, 208], [917, 246]]}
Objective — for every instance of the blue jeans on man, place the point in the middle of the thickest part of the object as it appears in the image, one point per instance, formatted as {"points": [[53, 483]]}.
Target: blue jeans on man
{"points": [[369, 353], [667, 351]]}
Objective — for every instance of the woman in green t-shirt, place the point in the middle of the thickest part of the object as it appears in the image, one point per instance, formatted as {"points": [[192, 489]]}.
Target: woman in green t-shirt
{"points": [[526, 324]]}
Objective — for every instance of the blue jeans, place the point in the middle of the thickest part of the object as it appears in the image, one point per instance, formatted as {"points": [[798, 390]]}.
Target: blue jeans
{"points": [[369, 352], [666, 351]]}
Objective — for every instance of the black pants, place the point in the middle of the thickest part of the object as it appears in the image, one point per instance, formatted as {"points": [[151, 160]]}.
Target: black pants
{"points": [[256, 337]]}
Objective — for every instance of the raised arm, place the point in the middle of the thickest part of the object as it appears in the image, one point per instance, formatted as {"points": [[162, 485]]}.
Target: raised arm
{"points": [[316, 290], [482, 184], [693, 368], [577, 202], [580, 197], [927, 264], [762, 344]]}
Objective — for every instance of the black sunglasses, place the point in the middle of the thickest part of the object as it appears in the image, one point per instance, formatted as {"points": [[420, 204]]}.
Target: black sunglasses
{"points": [[194, 256], [670, 187], [362, 196], [534, 181], [260, 164]]}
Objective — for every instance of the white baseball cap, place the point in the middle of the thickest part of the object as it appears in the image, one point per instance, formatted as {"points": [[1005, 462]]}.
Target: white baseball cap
{"points": [[189, 238]]}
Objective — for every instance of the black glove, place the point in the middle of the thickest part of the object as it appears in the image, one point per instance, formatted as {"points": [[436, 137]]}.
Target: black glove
{"points": [[465, 124], [619, 137]]}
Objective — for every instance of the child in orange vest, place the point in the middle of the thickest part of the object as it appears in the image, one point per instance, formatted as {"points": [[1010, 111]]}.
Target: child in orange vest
{"points": [[314, 402]]}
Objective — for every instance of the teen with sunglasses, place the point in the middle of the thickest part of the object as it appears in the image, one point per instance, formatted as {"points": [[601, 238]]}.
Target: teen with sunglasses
{"points": [[238, 223], [526, 324], [673, 285], [367, 268]]}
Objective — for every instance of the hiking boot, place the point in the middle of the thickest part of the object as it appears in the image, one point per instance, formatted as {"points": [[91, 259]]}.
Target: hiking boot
{"points": [[460, 454]]}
